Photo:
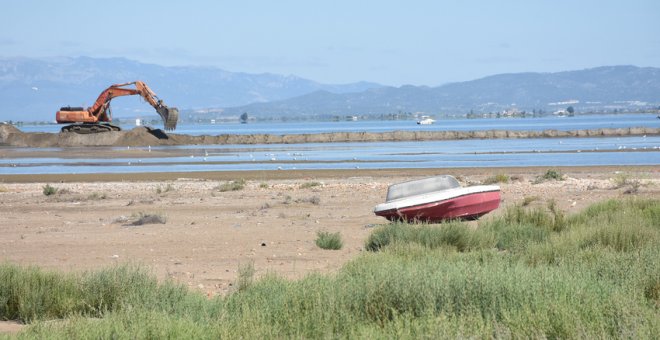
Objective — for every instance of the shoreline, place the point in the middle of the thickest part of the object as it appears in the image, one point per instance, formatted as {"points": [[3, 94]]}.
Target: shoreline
{"points": [[310, 174], [146, 136]]}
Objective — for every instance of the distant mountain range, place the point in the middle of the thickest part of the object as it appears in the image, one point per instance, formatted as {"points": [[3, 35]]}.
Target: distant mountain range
{"points": [[33, 89], [597, 89]]}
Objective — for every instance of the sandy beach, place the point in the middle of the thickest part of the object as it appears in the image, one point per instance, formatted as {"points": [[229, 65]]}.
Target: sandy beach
{"points": [[272, 222]]}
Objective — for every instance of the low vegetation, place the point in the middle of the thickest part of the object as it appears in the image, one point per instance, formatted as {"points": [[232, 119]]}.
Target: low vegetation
{"points": [[499, 178], [308, 185], [166, 189], [527, 200], [231, 186], [327, 240], [530, 273], [550, 175], [622, 180], [245, 276], [315, 200], [97, 196], [49, 190], [148, 218]]}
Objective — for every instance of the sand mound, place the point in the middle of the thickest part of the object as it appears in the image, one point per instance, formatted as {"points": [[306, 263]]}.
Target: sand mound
{"points": [[6, 130], [142, 136]]}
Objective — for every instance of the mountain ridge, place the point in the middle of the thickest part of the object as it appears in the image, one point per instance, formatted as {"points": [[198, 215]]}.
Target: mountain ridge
{"points": [[33, 89], [38, 87], [595, 89]]}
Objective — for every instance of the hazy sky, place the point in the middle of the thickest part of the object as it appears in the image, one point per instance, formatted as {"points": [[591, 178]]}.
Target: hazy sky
{"points": [[340, 41]]}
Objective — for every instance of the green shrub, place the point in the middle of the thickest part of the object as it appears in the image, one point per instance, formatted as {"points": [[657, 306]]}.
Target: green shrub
{"points": [[49, 190], [231, 186], [499, 178], [553, 174], [326, 240]]}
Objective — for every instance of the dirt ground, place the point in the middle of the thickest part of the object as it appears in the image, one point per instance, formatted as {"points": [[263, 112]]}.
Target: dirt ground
{"points": [[272, 222], [209, 234]]}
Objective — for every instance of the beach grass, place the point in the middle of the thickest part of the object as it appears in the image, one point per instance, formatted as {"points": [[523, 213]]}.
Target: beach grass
{"points": [[236, 185], [328, 240], [49, 190], [529, 273], [499, 178]]}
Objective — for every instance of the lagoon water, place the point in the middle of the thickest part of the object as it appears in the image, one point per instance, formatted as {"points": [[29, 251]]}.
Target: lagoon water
{"points": [[641, 150], [380, 155]]}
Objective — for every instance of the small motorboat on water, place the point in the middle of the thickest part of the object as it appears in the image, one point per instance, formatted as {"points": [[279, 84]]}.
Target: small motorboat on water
{"points": [[426, 120], [437, 199]]}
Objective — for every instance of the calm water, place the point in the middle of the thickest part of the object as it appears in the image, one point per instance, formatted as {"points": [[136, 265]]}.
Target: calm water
{"points": [[381, 155], [531, 124]]}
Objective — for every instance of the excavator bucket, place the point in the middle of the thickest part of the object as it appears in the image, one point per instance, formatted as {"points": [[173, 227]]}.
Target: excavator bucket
{"points": [[170, 116]]}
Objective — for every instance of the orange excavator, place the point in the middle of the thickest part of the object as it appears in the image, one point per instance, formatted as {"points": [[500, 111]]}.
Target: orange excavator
{"points": [[97, 118]]}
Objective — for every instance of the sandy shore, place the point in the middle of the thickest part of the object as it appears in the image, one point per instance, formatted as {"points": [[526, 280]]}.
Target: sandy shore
{"points": [[272, 222]]}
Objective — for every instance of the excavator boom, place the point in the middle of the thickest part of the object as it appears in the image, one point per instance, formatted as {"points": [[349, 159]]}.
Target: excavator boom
{"points": [[99, 113]]}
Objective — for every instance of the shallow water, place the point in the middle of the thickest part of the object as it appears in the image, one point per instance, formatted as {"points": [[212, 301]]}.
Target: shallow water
{"points": [[379, 155]]}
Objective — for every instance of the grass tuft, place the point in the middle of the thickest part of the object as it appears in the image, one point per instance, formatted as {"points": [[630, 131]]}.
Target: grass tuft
{"points": [[550, 175], [168, 188], [330, 241], [49, 190], [245, 276], [315, 200], [527, 200], [231, 186], [308, 185], [97, 196], [499, 178]]}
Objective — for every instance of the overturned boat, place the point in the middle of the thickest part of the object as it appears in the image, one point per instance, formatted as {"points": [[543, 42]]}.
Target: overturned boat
{"points": [[437, 199]]}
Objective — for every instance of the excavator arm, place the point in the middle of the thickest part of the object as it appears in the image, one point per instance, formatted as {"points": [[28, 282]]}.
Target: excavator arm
{"points": [[100, 110]]}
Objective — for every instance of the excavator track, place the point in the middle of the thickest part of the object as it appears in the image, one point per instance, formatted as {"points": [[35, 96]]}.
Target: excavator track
{"points": [[87, 128]]}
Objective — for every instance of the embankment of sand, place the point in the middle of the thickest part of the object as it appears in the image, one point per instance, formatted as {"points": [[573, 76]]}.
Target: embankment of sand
{"points": [[143, 136]]}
